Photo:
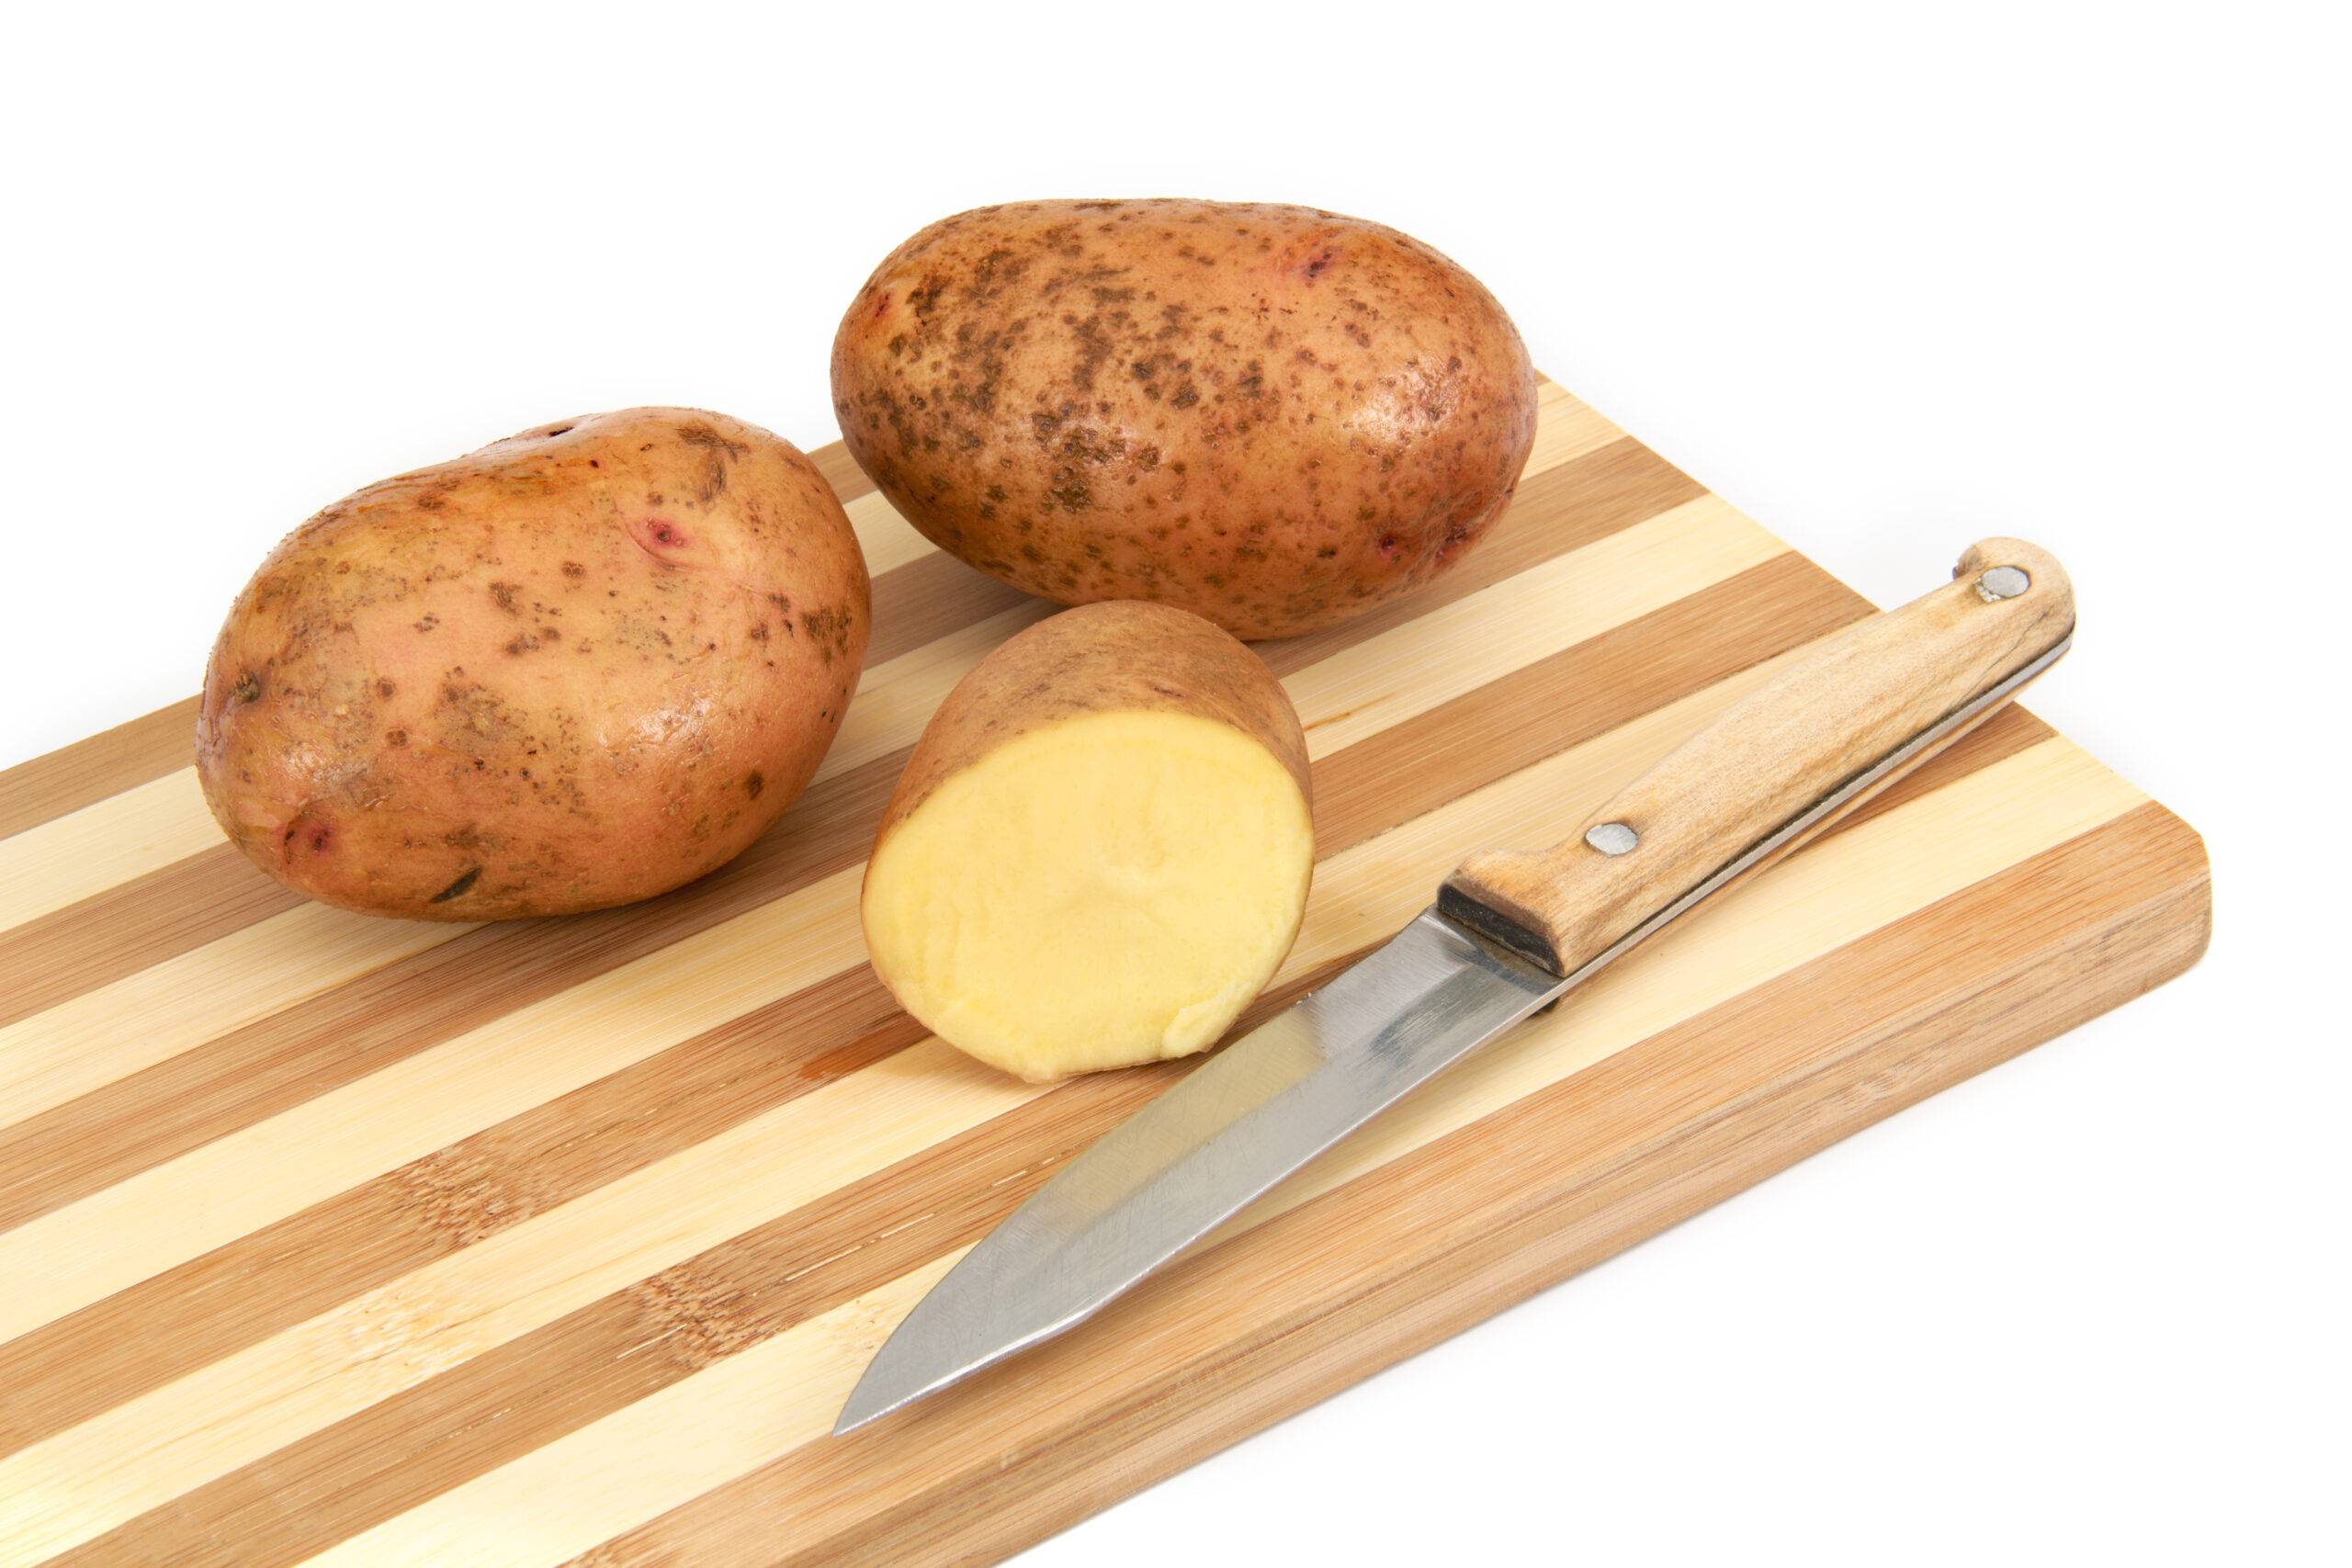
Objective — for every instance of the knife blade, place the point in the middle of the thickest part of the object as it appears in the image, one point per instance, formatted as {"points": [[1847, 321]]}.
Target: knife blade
{"points": [[1511, 932]]}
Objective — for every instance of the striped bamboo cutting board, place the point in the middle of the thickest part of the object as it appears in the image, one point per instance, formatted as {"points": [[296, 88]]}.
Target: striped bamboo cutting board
{"points": [[325, 1237]]}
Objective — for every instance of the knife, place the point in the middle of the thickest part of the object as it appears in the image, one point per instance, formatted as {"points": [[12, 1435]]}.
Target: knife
{"points": [[1510, 933]]}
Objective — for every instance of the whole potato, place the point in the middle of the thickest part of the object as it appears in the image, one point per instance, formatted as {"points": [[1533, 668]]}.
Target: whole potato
{"points": [[579, 666], [1274, 417]]}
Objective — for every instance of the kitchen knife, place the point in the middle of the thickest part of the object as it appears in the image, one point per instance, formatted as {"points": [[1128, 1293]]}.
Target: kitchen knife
{"points": [[1511, 932]]}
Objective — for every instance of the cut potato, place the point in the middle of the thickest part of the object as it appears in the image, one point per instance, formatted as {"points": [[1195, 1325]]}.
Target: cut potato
{"points": [[1100, 849]]}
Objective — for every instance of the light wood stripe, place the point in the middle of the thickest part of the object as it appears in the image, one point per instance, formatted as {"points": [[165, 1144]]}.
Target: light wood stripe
{"points": [[160, 1012], [1565, 428], [1526, 617], [132, 926], [353, 1134], [241, 1292], [748, 1408], [888, 540], [86, 852], [88, 771]]}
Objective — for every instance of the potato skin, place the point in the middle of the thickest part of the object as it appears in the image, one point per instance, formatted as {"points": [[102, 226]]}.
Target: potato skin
{"points": [[576, 667], [1273, 416], [1120, 656]]}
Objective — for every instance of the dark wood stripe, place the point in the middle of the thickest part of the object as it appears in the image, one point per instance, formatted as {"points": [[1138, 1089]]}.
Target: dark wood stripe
{"points": [[1562, 509], [132, 926], [1616, 1155], [319, 1043], [88, 771], [841, 472], [291, 1270], [927, 599], [406, 1449]]}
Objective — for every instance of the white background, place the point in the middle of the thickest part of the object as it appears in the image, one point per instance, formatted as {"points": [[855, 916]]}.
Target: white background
{"points": [[1887, 277]]}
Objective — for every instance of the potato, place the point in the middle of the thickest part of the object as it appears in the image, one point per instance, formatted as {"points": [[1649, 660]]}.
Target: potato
{"points": [[1275, 417], [578, 667], [1100, 848]]}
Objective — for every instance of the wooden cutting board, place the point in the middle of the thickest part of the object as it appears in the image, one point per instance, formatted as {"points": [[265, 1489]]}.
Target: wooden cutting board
{"points": [[520, 1244]]}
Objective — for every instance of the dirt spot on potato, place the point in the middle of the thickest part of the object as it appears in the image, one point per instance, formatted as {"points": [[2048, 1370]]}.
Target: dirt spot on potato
{"points": [[472, 719], [753, 783], [574, 570], [830, 629], [704, 435], [466, 879]]}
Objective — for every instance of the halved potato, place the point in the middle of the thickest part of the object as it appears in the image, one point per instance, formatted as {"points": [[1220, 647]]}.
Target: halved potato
{"points": [[1100, 848]]}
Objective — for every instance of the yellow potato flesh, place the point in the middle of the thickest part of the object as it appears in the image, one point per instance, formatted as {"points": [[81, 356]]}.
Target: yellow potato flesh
{"points": [[1111, 890]]}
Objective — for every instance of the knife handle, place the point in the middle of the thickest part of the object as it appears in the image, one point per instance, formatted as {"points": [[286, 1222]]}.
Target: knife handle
{"points": [[1855, 712]]}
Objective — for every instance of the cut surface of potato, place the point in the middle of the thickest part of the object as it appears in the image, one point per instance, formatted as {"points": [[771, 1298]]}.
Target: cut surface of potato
{"points": [[1100, 848], [1112, 890]]}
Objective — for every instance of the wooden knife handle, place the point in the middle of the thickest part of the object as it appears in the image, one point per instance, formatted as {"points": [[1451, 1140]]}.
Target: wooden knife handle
{"points": [[1778, 765]]}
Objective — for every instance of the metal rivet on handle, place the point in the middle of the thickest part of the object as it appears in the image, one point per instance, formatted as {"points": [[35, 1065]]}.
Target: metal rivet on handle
{"points": [[1612, 838], [2003, 582]]}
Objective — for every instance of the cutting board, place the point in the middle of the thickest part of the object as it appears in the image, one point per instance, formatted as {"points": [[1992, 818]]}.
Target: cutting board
{"points": [[328, 1236]]}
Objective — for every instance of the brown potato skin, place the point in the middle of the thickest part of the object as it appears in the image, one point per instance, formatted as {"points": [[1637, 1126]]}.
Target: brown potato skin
{"points": [[576, 667], [1117, 657], [1273, 416]]}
